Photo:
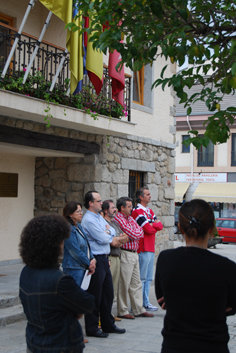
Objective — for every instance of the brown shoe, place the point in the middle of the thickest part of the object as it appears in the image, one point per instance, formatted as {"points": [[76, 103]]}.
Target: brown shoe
{"points": [[117, 318], [85, 340], [127, 316], [145, 315]]}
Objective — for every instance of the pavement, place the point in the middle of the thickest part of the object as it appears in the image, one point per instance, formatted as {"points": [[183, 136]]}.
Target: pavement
{"points": [[143, 335]]}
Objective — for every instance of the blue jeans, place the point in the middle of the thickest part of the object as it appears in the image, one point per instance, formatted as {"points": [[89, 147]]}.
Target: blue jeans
{"points": [[146, 263], [76, 273]]}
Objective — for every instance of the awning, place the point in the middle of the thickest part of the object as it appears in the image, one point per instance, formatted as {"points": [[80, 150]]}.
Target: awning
{"points": [[216, 192], [180, 189]]}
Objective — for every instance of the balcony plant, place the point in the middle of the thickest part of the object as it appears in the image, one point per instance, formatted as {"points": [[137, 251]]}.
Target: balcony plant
{"points": [[37, 86]]}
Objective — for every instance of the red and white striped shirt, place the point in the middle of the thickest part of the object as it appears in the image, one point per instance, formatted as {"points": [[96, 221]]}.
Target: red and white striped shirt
{"points": [[131, 228], [146, 219]]}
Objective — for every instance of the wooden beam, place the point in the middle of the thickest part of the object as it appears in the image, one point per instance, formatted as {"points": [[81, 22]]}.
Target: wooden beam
{"points": [[36, 139]]}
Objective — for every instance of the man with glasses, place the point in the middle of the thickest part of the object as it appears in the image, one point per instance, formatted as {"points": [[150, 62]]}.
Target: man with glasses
{"points": [[100, 235]]}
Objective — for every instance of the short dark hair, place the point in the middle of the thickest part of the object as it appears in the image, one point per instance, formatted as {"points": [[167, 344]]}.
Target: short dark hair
{"points": [[89, 197], [106, 205], [122, 202], [70, 208], [196, 218], [140, 192], [41, 239]]}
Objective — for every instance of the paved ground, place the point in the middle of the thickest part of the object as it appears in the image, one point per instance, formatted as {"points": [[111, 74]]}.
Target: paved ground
{"points": [[143, 335]]}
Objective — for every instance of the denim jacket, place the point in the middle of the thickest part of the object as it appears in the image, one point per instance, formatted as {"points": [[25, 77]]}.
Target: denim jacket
{"points": [[52, 302], [76, 250]]}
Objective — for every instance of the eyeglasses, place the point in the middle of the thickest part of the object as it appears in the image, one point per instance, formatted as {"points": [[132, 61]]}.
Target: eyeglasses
{"points": [[80, 212]]}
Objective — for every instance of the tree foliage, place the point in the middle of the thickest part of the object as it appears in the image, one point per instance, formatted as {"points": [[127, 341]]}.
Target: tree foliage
{"points": [[204, 31]]}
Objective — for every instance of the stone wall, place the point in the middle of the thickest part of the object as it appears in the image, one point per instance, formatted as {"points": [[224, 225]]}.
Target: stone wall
{"points": [[59, 180], [62, 179]]}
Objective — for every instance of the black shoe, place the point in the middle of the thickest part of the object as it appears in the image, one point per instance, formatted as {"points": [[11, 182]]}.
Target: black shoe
{"points": [[116, 329], [98, 333]]}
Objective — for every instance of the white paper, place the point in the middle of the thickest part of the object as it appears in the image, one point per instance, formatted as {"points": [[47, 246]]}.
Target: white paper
{"points": [[86, 281]]}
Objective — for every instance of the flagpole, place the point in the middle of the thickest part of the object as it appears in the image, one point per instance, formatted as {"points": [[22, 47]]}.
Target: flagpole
{"points": [[37, 46], [58, 70], [13, 48]]}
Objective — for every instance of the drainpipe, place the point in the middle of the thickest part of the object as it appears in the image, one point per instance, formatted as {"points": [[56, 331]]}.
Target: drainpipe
{"points": [[193, 185], [191, 151]]}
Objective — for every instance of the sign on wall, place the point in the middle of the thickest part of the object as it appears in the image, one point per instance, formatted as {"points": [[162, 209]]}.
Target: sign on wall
{"points": [[201, 177]]}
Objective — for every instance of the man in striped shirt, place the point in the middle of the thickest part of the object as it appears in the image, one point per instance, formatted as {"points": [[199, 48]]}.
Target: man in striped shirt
{"points": [[130, 285], [146, 219]]}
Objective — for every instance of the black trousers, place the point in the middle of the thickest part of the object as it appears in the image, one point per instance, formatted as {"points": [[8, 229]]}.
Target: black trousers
{"points": [[102, 288]]}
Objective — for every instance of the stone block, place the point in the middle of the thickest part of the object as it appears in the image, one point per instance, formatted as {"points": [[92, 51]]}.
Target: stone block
{"points": [[122, 190], [60, 184], [102, 173], [76, 186], [49, 162], [44, 181], [112, 167], [168, 221], [169, 194], [74, 196], [103, 189], [78, 172], [60, 163], [59, 173], [57, 203], [43, 170], [137, 164], [171, 166], [153, 191], [118, 177]]}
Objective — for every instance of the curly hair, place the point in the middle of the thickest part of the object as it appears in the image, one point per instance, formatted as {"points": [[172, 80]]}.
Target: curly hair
{"points": [[196, 218], [41, 240]]}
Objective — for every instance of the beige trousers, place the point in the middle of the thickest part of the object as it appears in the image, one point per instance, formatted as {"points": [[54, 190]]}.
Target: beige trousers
{"points": [[115, 272], [130, 285]]}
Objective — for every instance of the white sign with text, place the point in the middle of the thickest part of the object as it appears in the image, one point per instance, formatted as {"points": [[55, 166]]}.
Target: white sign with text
{"points": [[201, 177]]}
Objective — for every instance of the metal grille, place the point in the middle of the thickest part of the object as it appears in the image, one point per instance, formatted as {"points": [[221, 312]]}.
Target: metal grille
{"points": [[47, 61], [136, 181]]}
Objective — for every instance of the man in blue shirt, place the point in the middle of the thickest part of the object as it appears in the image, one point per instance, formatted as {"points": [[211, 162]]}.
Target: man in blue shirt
{"points": [[100, 235]]}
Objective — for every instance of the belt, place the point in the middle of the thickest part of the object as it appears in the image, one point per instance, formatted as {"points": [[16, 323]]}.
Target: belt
{"points": [[130, 250], [95, 255]]}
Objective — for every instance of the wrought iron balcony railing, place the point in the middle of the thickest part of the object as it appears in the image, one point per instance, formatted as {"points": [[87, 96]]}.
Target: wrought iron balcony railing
{"points": [[46, 63]]}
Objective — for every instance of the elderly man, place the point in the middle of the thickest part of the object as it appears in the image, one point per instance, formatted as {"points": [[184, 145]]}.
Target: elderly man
{"points": [[130, 284], [109, 211], [100, 235], [146, 218]]}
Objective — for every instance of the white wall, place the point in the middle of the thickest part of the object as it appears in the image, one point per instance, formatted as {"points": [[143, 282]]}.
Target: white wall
{"points": [[222, 155], [16, 211]]}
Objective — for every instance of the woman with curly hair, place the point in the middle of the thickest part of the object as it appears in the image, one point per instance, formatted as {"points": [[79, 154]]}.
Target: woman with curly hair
{"points": [[77, 253], [52, 301], [196, 287]]}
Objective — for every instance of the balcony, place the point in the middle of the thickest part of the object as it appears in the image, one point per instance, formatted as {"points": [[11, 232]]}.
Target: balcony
{"points": [[43, 71]]}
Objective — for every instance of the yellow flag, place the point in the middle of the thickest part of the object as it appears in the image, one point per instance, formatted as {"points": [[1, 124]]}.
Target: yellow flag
{"points": [[61, 8], [64, 10], [94, 66]]}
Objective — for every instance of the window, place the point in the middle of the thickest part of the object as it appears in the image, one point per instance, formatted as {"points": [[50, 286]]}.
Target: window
{"points": [[136, 181], [4, 33], [206, 156], [142, 86], [185, 149], [233, 151], [8, 185]]}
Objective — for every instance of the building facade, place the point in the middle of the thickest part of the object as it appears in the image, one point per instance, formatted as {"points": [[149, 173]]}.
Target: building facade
{"points": [[211, 169], [42, 167]]}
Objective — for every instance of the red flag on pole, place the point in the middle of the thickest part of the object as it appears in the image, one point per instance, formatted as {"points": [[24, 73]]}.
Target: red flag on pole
{"points": [[118, 77]]}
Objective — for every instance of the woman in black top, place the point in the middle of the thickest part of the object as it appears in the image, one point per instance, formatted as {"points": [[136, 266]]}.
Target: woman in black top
{"points": [[196, 287]]}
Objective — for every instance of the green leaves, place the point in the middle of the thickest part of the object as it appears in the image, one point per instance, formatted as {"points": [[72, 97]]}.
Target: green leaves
{"points": [[201, 31]]}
